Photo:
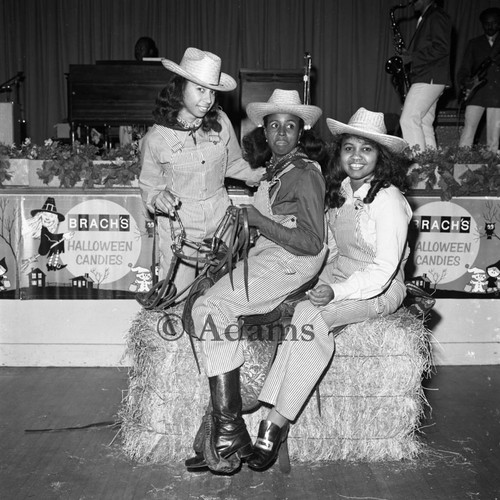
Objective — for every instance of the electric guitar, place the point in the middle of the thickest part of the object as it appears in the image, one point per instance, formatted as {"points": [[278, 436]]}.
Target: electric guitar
{"points": [[477, 80]]}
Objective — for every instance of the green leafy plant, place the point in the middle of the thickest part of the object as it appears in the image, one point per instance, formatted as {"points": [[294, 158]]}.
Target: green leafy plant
{"points": [[122, 173], [484, 181], [50, 150], [124, 167], [77, 162], [5, 174], [436, 168]]}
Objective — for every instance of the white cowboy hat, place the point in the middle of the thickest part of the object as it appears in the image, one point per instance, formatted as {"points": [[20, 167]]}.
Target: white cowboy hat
{"points": [[203, 68], [283, 101], [371, 125]]}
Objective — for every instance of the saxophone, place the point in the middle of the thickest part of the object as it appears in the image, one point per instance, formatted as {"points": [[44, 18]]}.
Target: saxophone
{"points": [[395, 66]]}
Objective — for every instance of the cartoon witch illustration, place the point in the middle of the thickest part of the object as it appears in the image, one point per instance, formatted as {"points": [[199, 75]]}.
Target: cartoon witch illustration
{"points": [[4, 280], [43, 225]]}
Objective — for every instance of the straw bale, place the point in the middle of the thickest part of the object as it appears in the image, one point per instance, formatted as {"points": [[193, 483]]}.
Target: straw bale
{"points": [[371, 395]]}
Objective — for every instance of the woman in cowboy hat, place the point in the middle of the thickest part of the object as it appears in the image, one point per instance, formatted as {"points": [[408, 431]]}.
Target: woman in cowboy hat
{"points": [[188, 153], [288, 211], [363, 277]]}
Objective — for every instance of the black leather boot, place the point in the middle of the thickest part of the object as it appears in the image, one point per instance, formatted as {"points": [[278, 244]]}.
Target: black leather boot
{"points": [[271, 442], [229, 436]]}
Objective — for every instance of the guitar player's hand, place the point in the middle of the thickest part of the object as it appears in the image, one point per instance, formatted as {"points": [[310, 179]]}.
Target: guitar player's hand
{"points": [[469, 86]]}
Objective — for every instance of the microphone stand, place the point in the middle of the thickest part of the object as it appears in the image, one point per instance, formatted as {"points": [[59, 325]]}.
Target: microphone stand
{"points": [[6, 87]]}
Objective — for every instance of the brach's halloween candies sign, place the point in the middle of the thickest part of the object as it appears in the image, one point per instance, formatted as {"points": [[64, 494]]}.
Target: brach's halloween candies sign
{"points": [[448, 241], [106, 240]]}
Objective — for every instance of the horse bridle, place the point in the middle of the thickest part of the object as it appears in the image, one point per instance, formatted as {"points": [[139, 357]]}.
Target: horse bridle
{"points": [[214, 257]]}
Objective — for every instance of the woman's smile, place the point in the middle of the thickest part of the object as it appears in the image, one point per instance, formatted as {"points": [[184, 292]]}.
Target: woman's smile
{"points": [[356, 166], [358, 158], [197, 102]]}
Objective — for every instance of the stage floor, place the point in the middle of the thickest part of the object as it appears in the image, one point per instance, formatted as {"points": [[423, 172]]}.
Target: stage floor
{"points": [[461, 459]]}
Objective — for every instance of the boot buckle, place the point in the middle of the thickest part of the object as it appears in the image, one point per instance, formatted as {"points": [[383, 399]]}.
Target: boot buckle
{"points": [[265, 444]]}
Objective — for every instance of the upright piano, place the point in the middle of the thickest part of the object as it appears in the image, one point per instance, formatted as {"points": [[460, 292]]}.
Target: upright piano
{"points": [[113, 93]]}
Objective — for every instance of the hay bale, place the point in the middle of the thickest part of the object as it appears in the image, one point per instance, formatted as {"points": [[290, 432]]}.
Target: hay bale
{"points": [[371, 396], [166, 397]]}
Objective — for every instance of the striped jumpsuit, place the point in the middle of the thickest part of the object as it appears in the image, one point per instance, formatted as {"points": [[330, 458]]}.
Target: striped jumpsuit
{"points": [[365, 269], [192, 165], [273, 274]]}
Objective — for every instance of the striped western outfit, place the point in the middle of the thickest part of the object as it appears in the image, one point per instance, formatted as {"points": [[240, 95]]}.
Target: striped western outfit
{"points": [[273, 273], [366, 272], [192, 165]]}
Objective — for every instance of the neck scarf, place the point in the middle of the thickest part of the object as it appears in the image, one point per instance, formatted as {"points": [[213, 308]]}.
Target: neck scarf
{"points": [[184, 126], [273, 167], [189, 126]]}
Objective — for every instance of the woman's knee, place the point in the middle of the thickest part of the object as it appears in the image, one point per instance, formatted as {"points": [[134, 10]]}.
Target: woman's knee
{"points": [[304, 309], [409, 119], [204, 308]]}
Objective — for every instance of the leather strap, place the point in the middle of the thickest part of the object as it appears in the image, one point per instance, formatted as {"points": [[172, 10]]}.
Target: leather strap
{"points": [[246, 244], [217, 260]]}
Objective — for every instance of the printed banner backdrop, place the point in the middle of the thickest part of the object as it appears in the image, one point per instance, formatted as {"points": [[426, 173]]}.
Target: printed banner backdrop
{"points": [[74, 246], [10, 240], [456, 246], [99, 246]]}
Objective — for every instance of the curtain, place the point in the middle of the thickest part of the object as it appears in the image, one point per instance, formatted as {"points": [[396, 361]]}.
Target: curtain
{"points": [[349, 42]]}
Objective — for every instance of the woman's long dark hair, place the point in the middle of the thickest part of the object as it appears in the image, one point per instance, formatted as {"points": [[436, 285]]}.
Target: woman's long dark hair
{"points": [[170, 101], [257, 152], [391, 168]]}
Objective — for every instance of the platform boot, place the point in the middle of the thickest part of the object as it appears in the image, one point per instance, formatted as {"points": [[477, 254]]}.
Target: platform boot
{"points": [[226, 438]]}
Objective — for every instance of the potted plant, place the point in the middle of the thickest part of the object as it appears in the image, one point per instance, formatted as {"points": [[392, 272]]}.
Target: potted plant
{"points": [[456, 171], [5, 170], [64, 165], [23, 161], [120, 166], [69, 164]]}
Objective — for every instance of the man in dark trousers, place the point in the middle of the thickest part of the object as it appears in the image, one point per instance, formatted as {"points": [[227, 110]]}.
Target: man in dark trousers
{"points": [[479, 79], [428, 54]]}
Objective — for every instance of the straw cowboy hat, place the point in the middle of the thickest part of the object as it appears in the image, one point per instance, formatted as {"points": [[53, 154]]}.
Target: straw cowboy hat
{"points": [[370, 125], [283, 101], [203, 68]]}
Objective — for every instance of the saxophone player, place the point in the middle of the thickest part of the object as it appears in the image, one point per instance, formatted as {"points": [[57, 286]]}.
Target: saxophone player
{"points": [[428, 55]]}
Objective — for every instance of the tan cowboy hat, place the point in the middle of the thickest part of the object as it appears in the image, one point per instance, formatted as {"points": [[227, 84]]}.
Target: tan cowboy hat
{"points": [[203, 68], [283, 101], [371, 125]]}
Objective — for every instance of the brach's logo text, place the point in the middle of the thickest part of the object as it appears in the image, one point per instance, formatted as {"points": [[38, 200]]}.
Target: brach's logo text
{"points": [[99, 222], [106, 242], [442, 224], [447, 241]]}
